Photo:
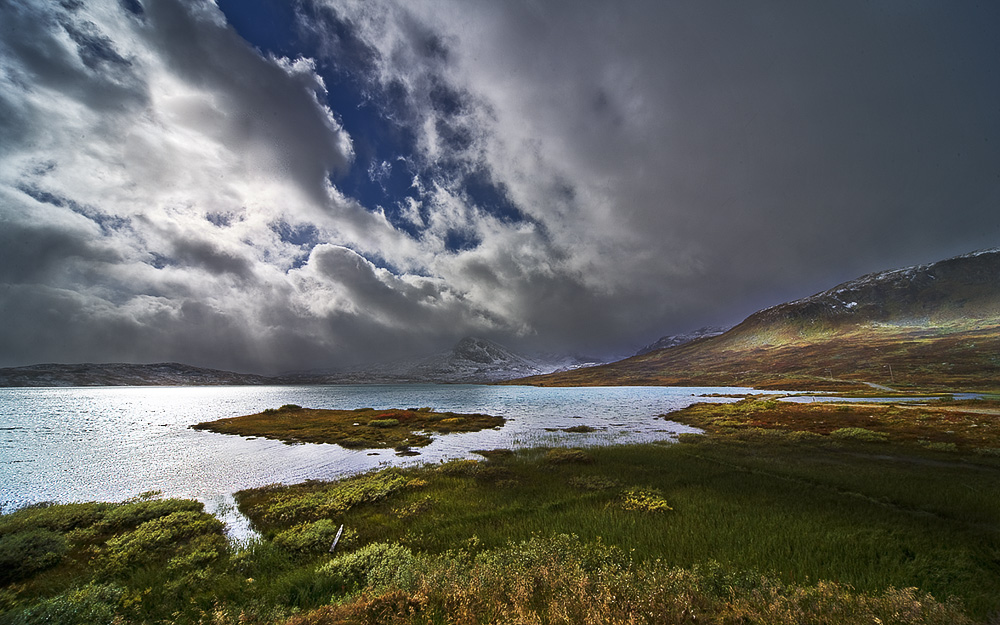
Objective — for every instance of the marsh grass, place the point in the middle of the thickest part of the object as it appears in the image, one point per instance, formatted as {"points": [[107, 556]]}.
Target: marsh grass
{"points": [[966, 425], [871, 517], [362, 428], [766, 525], [562, 579]]}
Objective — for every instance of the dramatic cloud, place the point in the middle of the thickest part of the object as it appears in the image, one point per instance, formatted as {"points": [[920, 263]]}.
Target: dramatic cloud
{"points": [[185, 180]]}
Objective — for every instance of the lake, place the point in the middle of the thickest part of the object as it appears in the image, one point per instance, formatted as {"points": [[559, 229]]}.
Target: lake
{"points": [[112, 443]]}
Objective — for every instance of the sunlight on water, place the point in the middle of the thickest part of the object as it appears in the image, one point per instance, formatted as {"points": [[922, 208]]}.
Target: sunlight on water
{"points": [[109, 444]]}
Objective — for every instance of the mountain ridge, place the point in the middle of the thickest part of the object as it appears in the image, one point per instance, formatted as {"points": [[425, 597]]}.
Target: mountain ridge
{"points": [[934, 326]]}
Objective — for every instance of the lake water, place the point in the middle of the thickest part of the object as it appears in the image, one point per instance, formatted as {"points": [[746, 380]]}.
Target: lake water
{"points": [[112, 443]]}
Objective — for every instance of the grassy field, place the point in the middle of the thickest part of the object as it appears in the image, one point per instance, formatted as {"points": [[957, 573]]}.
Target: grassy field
{"points": [[780, 513]]}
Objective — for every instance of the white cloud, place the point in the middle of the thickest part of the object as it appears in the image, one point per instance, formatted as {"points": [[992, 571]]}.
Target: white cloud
{"points": [[160, 209]]}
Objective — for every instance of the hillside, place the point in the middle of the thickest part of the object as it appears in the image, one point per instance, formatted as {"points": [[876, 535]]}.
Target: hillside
{"points": [[934, 326]]}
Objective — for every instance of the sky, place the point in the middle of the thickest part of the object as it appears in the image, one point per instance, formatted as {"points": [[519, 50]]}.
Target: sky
{"points": [[275, 185]]}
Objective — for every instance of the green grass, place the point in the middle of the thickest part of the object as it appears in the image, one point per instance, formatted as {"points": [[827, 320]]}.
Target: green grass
{"points": [[871, 517]]}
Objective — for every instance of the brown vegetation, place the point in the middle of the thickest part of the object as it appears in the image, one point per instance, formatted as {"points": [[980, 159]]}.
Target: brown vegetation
{"points": [[364, 428], [969, 425]]}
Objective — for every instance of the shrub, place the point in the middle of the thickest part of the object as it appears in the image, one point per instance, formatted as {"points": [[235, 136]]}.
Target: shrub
{"points": [[58, 518], [168, 534], [95, 604], [131, 514], [314, 537], [384, 423], [645, 500], [22, 554], [859, 434], [803, 436], [312, 501], [378, 566]]}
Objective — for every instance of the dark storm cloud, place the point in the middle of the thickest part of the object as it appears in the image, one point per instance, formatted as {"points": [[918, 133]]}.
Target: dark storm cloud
{"points": [[717, 157], [35, 253]]}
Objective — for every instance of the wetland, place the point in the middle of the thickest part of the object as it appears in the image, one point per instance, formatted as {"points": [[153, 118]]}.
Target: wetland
{"points": [[755, 510]]}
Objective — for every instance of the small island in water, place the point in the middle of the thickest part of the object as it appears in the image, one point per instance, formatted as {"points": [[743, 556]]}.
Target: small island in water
{"points": [[362, 428]]}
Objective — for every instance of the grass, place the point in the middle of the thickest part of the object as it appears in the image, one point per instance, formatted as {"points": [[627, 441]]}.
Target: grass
{"points": [[780, 513], [364, 428], [872, 516]]}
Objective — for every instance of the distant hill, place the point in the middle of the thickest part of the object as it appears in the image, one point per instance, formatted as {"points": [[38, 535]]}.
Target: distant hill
{"points": [[122, 374], [472, 360], [932, 326]]}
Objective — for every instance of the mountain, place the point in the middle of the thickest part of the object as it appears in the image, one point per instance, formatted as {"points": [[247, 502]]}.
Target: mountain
{"points": [[472, 361], [960, 292], [121, 374], [673, 340], [934, 326]]}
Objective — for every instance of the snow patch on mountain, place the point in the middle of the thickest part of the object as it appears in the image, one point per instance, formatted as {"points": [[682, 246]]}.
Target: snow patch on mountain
{"points": [[961, 288], [673, 340], [471, 361]]}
